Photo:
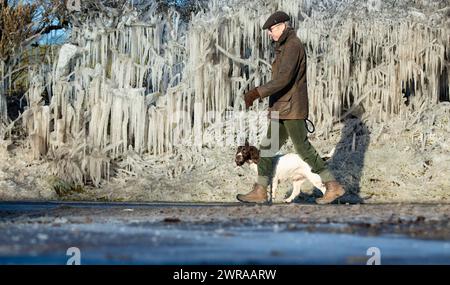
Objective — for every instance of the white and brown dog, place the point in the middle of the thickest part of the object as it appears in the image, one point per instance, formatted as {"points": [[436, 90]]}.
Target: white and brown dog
{"points": [[287, 167]]}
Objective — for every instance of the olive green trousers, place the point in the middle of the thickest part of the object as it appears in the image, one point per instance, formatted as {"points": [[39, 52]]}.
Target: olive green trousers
{"points": [[277, 134]]}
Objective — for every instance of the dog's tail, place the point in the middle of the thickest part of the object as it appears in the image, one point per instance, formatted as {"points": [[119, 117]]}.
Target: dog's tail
{"points": [[329, 155]]}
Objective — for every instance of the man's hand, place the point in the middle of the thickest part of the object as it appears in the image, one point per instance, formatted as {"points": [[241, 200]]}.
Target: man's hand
{"points": [[251, 96]]}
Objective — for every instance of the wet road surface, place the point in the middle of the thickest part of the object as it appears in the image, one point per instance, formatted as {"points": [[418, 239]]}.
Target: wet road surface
{"points": [[215, 233]]}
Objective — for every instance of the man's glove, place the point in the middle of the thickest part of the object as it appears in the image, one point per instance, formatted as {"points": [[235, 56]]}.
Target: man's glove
{"points": [[251, 96]]}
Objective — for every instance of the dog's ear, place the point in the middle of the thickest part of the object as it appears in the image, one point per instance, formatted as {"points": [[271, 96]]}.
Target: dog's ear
{"points": [[254, 154], [246, 142]]}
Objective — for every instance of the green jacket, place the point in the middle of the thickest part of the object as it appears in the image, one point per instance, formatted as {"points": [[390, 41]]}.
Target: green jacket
{"points": [[288, 88]]}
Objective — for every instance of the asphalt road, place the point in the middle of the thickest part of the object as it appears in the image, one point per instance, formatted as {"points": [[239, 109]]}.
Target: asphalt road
{"points": [[215, 233]]}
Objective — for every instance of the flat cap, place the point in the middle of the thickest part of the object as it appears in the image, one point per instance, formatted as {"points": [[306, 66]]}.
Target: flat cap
{"points": [[276, 18]]}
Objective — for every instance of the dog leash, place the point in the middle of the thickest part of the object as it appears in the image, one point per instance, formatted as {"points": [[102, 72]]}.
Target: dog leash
{"points": [[313, 127]]}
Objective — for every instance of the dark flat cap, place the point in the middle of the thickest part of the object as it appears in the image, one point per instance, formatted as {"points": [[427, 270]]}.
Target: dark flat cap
{"points": [[276, 18]]}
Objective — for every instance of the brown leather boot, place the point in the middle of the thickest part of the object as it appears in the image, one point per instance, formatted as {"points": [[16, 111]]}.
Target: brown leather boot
{"points": [[334, 191], [257, 195]]}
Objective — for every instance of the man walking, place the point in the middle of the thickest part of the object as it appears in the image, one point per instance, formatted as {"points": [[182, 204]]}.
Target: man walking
{"points": [[288, 111]]}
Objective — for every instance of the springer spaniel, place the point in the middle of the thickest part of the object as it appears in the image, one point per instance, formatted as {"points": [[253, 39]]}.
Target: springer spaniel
{"points": [[288, 167]]}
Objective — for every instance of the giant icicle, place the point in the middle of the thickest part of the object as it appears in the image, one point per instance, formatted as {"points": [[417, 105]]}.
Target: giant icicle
{"points": [[3, 109]]}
